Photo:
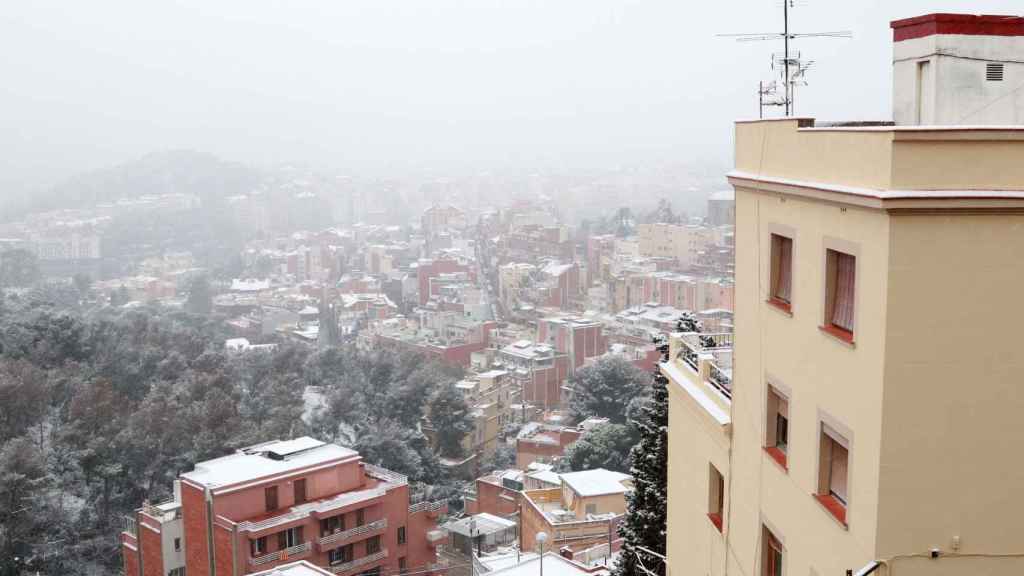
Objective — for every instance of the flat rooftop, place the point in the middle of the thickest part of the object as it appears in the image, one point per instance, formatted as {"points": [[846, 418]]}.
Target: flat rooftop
{"points": [[598, 482], [267, 460], [880, 165]]}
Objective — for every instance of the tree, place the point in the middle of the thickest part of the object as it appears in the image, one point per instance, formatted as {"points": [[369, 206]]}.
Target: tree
{"points": [[18, 268], [662, 213], [200, 296], [606, 446], [606, 388], [450, 418], [646, 505], [82, 282]]}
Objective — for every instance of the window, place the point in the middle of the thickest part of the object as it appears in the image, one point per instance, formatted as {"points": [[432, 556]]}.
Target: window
{"points": [[300, 490], [177, 544], [177, 571], [716, 496], [372, 545], [360, 519], [994, 71], [772, 554], [258, 546], [340, 555], [270, 495], [781, 280], [833, 472], [401, 565], [777, 427], [841, 270], [332, 525], [401, 534], [289, 538]]}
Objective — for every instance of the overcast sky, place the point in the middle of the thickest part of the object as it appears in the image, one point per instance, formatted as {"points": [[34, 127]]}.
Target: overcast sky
{"points": [[353, 85]]}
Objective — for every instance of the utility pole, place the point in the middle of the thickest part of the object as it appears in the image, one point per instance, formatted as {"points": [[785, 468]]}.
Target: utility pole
{"points": [[785, 36]]}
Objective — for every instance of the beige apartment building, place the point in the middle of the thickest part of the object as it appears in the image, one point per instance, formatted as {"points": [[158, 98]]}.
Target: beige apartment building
{"points": [[868, 421], [683, 242]]}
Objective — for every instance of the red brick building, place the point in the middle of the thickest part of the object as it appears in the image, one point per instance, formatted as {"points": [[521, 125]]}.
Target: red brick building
{"points": [[540, 371], [576, 337], [543, 443], [278, 502], [428, 269]]}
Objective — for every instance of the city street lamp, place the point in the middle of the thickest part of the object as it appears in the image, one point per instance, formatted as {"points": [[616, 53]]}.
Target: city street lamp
{"points": [[542, 537]]}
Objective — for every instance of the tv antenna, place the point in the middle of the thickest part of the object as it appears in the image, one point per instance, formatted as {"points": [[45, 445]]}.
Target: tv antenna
{"points": [[793, 68]]}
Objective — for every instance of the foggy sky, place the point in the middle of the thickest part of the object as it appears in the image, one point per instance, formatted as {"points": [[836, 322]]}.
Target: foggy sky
{"points": [[378, 84]]}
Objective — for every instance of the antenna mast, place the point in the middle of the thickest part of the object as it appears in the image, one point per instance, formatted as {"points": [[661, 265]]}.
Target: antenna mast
{"points": [[788, 76]]}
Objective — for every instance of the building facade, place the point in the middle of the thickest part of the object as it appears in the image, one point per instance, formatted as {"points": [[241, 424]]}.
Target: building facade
{"points": [[277, 502], [863, 427]]}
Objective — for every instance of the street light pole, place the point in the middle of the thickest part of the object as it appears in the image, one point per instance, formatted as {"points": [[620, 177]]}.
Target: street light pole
{"points": [[542, 537]]}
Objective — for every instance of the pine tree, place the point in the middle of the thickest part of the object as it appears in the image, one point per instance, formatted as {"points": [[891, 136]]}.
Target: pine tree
{"points": [[647, 504]]}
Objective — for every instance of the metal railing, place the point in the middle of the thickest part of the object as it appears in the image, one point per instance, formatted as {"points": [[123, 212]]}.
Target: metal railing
{"points": [[130, 525], [348, 566], [287, 553], [304, 510], [716, 348], [426, 506], [385, 474], [353, 532]]}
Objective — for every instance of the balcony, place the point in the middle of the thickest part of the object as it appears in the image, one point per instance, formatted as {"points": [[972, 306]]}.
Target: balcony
{"points": [[358, 562], [344, 537], [700, 365], [293, 553], [710, 355], [433, 509]]}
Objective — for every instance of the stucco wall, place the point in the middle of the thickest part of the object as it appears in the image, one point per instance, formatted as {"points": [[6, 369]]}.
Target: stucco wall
{"points": [[952, 391]]}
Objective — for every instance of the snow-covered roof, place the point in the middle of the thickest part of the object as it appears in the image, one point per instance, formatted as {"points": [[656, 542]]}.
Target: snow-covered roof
{"points": [[597, 482], [482, 523], [554, 565], [266, 460], [300, 568], [249, 285], [545, 476]]}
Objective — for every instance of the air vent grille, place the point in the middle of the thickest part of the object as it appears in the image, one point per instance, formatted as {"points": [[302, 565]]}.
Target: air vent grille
{"points": [[994, 72]]}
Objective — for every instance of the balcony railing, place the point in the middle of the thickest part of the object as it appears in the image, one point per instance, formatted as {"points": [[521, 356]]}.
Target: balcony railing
{"points": [[716, 351], [130, 525], [349, 566], [338, 537], [286, 554], [426, 506], [385, 474], [304, 510]]}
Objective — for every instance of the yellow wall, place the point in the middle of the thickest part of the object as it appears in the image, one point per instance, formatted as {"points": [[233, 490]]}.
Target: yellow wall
{"points": [[953, 402]]}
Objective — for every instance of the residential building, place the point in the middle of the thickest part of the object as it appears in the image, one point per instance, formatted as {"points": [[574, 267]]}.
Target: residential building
{"points": [[279, 501], [722, 208], [539, 370], [585, 510], [683, 243], [866, 424], [543, 443], [577, 337]]}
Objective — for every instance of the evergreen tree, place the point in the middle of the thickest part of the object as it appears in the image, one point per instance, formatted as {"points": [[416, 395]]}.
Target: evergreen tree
{"points": [[647, 504], [200, 296], [449, 416], [606, 388]]}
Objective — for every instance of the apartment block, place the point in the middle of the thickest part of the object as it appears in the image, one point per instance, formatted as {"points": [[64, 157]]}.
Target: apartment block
{"points": [[584, 511], [539, 369], [278, 502], [865, 425], [577, 337]]}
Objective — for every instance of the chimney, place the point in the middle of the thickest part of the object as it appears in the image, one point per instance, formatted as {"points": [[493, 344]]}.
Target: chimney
{"points": [[958, 70]]}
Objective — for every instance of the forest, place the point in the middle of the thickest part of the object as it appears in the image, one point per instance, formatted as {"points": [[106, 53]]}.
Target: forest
{"points": [[102, 407]]}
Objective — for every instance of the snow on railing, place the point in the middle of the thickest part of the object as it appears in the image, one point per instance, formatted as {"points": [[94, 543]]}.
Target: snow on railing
{"points": [[714, 351], [304, 510], [385, 474], [426, 506], [130, 525], [353, 532], [348, 566], [287, 553]]}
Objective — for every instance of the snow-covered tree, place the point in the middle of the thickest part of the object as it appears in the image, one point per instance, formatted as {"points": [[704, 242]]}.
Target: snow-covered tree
{"points": [[606, 388], [605, 447], [449, 415], [647, 504]]}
